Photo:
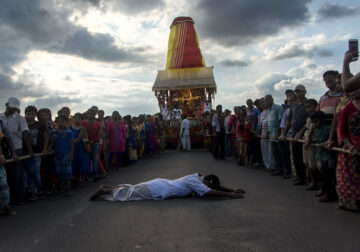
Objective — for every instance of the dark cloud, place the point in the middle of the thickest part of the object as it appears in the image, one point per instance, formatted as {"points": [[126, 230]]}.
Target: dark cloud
{"points": [[235, 22], [334, 11], [97, 46], [234, 63], [43, 26], [137, 6], [132, 7], [295, 51]]}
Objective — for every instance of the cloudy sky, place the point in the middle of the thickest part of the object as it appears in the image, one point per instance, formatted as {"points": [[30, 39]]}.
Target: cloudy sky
{"points": [[78, 53]]}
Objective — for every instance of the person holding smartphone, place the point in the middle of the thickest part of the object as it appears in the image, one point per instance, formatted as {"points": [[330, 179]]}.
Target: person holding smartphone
{"points": [[350, 83]]}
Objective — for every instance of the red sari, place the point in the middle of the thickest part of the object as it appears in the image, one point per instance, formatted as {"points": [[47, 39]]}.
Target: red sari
{"points": [[348, 166]]}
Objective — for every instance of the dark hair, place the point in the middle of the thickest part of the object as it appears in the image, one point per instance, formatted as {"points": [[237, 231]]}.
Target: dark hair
{"points": [[44, 110], [331, 72], [214, 181], [61, 117], [31, 108], [338, 76], [77, 114], [289, 91], [312, 102], [318, 115]]}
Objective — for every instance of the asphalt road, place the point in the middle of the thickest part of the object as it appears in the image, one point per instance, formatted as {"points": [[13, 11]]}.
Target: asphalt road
{"points": [[274, 216]]}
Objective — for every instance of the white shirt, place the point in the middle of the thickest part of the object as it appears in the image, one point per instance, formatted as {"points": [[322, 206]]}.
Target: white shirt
{"points": [[164, 112], [177, 113], [226, 124], [14, 126], [185, 124], [181, 187], [207, 106]]}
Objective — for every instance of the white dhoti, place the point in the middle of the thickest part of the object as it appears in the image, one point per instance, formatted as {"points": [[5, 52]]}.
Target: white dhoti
{"points": [[126, 192]]}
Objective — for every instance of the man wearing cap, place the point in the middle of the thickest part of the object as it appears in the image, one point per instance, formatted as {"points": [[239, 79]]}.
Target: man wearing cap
{"points": [[296, 121], [16, 130]]}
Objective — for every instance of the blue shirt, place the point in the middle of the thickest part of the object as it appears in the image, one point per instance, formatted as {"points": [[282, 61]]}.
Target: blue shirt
{"points": [[63, 141], [274, 116]]}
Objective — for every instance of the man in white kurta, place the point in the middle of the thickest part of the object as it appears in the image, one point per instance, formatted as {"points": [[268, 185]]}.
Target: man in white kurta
{"points": [[160, 189], [185, 134]]}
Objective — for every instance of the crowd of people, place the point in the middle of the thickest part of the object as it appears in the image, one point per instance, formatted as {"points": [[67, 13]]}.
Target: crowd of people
{"points": [[40, 157], [314, 142]]}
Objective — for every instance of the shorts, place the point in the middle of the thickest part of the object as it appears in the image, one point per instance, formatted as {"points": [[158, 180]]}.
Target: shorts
{"points": [[63, 166]]}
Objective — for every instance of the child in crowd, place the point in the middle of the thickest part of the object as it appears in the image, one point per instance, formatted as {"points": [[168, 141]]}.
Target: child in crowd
{"points": [[150, 136], [81, 162], [131, 143], [309, 151], [248, 139], [323, 156], [64, 154], [116, 132], [39, 139]]}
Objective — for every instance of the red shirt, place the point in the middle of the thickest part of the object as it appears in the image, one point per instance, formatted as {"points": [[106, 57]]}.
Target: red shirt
{"points": [[232, 123], [92, 130], [248, 135], [239, 130]]}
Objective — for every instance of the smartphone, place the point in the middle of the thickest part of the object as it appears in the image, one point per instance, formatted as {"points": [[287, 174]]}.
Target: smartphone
{"points": [[354, 47]]}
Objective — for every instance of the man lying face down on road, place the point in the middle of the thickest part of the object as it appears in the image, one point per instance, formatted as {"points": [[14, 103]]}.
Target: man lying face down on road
{"points": [[159, 189]]}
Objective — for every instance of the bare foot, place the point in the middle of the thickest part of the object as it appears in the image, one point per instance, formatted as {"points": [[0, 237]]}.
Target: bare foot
{"points": [[98, 193]]}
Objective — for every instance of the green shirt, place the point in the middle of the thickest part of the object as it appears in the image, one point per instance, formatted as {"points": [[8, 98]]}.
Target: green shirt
{"points": [[322, 135], [274, 116]]}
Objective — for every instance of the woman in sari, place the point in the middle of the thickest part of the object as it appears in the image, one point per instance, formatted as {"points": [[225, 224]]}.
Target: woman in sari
{"points": [[348, 167]]}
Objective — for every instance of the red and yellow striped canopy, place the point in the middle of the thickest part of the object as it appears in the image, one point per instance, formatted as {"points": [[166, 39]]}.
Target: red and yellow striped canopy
{"points": [[183, 49]]}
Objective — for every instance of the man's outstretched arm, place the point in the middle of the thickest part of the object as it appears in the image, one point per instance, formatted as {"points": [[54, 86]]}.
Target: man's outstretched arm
{"points": [[217, 193], [227, 189]]}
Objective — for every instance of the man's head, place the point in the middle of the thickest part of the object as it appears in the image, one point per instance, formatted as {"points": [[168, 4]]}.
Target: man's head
{"points": [[300, 92], [310, 106], [91, 114], [183, 116], [95, 109], [249, 103], [236, 110], [257, 103], [290, 96], [101, 114], [226, 112], [30, 113], [329, 78], [61, 121], [212, 181], [219, 109], [268, 100], [65, 111], [13, 105]]}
